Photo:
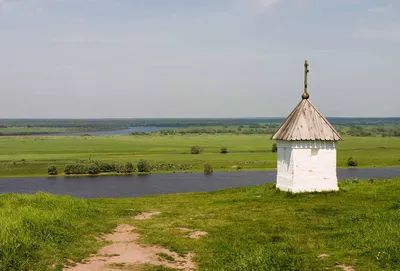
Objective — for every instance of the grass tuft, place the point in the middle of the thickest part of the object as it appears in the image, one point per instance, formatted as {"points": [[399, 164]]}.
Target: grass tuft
{"points": [[166, 257]]}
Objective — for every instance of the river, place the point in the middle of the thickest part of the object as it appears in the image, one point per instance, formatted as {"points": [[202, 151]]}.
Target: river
{"points": [[154, 184], [112, 133]]}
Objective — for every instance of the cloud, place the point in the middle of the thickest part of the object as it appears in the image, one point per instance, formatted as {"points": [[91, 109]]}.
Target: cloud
{"points": [[381, 9], [268, 3]]}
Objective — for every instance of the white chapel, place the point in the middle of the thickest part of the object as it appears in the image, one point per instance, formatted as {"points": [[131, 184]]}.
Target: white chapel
{"points": [[306, 148]]}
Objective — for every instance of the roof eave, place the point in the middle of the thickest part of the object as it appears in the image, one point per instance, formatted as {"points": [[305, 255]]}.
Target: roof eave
{"points": [[285, 139]]}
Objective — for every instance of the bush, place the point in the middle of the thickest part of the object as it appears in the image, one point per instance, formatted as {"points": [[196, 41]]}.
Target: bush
{"points": [[224, 150], [52, 170], [93, 168], [69, 169], [75, 169], [196, 149], [128, 167], [208, 168], [352, 162], [124, 168], [274, 147], [119, 167], [143, 166], [139, 133], [105, 167]]}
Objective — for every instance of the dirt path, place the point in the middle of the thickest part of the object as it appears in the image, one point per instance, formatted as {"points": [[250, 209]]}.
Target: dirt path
{"points": [[124, 251]]}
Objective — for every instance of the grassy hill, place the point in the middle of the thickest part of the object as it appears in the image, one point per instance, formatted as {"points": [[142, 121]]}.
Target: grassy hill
{"points": [[255, 228]]}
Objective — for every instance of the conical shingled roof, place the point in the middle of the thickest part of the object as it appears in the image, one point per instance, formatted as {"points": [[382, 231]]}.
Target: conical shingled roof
{"points": [[306, 123]]}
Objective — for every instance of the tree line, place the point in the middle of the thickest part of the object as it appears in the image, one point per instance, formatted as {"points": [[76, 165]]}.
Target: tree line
{"points": [[271, 129], [97, 167], [379, 130]]}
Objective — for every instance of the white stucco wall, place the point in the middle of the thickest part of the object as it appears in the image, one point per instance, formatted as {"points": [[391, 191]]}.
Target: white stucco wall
{"points": [[305, 166]]}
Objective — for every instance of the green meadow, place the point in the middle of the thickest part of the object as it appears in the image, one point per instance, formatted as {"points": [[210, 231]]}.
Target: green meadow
{"points": [[253, 228], [31, 156]]}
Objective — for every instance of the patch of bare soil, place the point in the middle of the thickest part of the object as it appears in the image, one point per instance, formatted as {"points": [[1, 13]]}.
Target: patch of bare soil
{"points": [[124, 251], [323, 256], [345, 268], [143, 216], [197, 234], [193, 234]]}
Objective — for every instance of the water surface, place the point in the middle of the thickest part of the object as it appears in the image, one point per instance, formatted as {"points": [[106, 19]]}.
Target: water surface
{"points": [[144, 185]]}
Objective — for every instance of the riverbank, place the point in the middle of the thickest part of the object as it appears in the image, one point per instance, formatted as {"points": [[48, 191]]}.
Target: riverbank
{"points": [[245, 228], [31, 156]]}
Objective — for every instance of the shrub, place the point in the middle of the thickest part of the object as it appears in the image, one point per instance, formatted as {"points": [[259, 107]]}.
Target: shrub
{"points": [[75, 169], [52, 170], [119, 168], [128, 167], [143, 166], [196, 149], [105, 167], [93, 168], [208, 168], [274, 147], [139, 133], [124, 168], [224, 150], [69, 169], [352, 162]]}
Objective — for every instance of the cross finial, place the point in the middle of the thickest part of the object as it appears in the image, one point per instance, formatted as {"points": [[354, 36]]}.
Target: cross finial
{"points": [[305, 94]]}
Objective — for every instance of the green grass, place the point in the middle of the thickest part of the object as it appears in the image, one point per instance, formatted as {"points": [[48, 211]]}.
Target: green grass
{"points": [[30, 156], [166, 257], [253, 228], [40, 231]]}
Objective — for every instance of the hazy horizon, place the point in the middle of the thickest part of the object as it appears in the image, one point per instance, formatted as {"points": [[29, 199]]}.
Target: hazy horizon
{"points": [[96, 59]]}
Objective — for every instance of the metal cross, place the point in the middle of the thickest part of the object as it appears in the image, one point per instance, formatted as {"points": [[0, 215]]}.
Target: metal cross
{"points": [[305, 94]]}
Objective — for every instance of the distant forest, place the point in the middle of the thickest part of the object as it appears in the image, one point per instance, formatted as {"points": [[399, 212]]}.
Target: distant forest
{"points": [[346, 126], [174, 122]]}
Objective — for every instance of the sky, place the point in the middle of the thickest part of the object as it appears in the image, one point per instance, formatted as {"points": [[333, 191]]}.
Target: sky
{"points": [[192, 58]]}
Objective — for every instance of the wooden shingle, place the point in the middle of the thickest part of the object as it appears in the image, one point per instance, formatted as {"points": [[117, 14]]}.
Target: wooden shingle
{"points": [[305, 122]]}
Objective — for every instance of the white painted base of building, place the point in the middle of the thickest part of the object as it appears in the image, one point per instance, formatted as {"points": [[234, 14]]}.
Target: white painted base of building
{"points": [[307, 185], [306, 166]]}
